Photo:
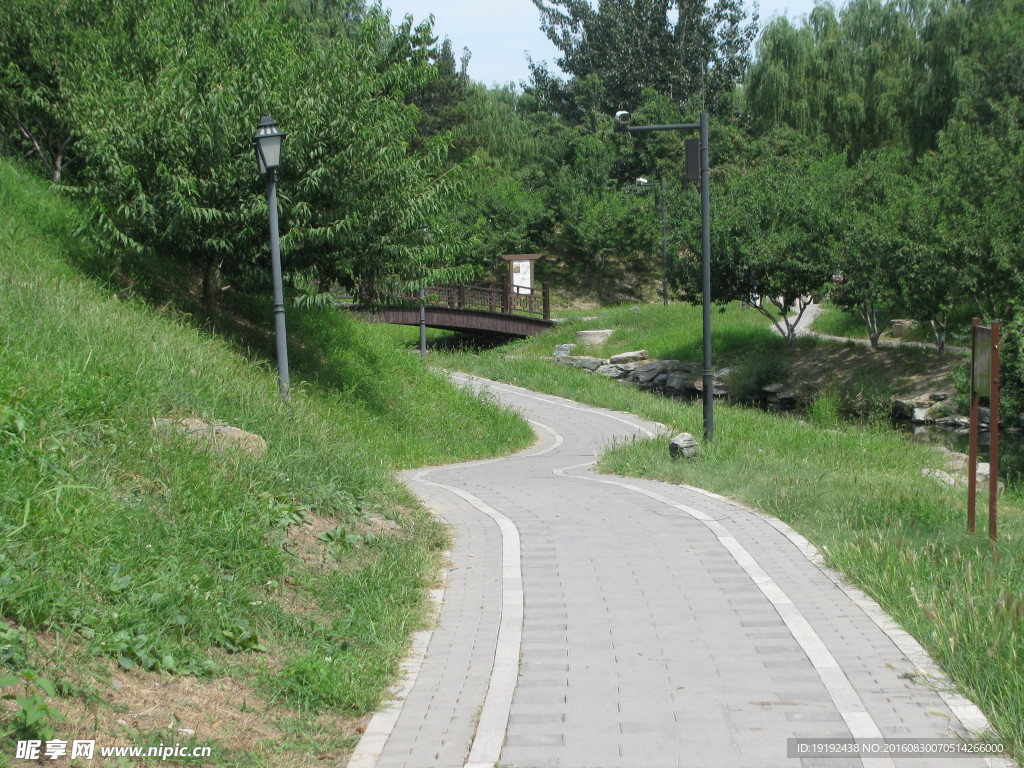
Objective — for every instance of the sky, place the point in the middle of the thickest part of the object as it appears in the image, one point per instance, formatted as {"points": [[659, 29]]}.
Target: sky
{"points": [[500, 32]]}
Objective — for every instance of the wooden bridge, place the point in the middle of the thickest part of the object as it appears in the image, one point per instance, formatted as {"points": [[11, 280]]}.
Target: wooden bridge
{"points": [[500, 309]]}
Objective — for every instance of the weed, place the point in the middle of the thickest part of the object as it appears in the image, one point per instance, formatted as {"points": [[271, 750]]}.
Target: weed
{"points": [[35, 717]]}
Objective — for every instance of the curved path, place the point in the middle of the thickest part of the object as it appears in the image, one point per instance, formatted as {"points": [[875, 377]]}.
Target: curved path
{"points": [[593, 621]]}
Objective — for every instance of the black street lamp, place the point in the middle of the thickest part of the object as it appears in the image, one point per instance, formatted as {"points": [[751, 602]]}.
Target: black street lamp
{"points": [[267, 143], [698, 166], [660, 192]]}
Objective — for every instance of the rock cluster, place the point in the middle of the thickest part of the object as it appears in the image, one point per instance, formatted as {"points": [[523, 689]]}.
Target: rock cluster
{"points": [[669, 377], [956, 470], [930, 409]]}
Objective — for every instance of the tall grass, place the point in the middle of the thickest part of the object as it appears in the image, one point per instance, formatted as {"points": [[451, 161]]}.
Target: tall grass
{"points": [[856, 491], [133, 545]]}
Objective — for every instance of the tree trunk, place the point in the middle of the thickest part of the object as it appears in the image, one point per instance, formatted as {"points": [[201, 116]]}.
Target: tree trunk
{"points": [[211, 287], [871, 320], [939, 332]]}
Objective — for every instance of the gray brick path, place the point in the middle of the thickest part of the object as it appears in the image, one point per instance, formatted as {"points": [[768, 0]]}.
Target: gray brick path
{"points": [[661, 626]]}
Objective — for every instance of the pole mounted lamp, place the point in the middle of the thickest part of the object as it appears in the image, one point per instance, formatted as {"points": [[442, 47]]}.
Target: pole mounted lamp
{"points": [[267, 143], [697, 166]]}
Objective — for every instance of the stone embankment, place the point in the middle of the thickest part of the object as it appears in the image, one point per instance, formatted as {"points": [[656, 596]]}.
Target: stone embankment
{"points": [[675, 378]]}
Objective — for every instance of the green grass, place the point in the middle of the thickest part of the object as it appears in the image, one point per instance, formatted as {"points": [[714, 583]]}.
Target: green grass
{"points": [[856, 491], [670, 333], [833, 321], [130, 545]]}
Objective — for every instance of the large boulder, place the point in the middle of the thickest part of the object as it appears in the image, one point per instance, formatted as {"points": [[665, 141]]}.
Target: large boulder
{"points": [[593, 338], [680, 384], [220, 437]]}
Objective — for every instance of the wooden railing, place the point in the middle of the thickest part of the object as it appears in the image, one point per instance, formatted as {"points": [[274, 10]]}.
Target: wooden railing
{"points": [[492, 297]]}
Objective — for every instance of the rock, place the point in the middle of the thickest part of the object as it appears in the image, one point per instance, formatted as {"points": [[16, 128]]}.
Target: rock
{"points": [[683, 446], [983, 417], [938, 397], [593, 338], [957, 462], [680, 383], [922, 416], [612, 371], [564, 349], [648, 372], [220, 437], [717, 387], [582, 361], [942, 477], [902, 409], [629, 357], [782, 396], [954, 422], [635, 309], [900, 327]]}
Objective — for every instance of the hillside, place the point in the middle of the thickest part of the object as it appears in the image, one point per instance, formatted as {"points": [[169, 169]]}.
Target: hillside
{"points": [[255, 604]]}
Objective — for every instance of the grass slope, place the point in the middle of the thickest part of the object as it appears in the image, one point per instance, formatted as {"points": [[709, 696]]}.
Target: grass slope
{"points": [[856, 491], [124, 551]]}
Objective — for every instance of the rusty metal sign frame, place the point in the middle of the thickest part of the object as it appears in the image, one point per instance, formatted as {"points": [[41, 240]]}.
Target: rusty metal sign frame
{"points": [[984, 383]]}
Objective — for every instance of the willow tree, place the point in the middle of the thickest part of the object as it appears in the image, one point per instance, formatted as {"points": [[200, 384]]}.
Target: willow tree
{"points": [[871, 75], [684, 49]]}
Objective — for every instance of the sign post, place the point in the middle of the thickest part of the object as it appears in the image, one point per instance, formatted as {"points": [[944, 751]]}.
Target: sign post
{"points": [[521, 271], [984, 383]]}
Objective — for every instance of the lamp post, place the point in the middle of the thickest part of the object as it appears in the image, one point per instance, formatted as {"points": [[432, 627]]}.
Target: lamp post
{"points": [[698, 169], [660, 192], [267, 143]]}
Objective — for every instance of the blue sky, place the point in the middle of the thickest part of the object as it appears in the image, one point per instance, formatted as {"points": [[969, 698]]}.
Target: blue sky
{"points": [[499, 32]]}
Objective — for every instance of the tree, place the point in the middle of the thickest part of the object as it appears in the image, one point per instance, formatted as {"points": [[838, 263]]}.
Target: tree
{"points": [[869, 241], [366, 206], [635, 44], [769, 235], [975, 182], [167, 162], [872, 75], [39, 54]]}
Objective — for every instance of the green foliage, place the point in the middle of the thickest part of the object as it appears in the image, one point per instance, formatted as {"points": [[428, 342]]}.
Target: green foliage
{"points": [[35, 717], [162, 98], [770, 235], [701, 51], [755, 370], [861, 76]]}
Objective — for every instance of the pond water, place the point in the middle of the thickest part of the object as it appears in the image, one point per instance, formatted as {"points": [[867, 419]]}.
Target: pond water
{"points": [[1011, 447]]}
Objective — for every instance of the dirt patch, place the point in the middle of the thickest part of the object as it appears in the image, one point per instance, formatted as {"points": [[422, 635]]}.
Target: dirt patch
{"points": [[139, 709], [305, 542], [906, 372]]}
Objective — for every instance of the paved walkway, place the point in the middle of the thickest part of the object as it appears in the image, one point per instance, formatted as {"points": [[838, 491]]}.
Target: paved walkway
{"points": [[592, 621]]}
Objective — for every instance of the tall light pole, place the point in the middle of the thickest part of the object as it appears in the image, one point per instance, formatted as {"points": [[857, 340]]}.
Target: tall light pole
{"points": [[660, 192], [695, 167], [267, 143]]}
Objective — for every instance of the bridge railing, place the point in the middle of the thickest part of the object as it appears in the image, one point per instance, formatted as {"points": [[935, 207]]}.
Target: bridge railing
{"points": [[492, 297]]}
